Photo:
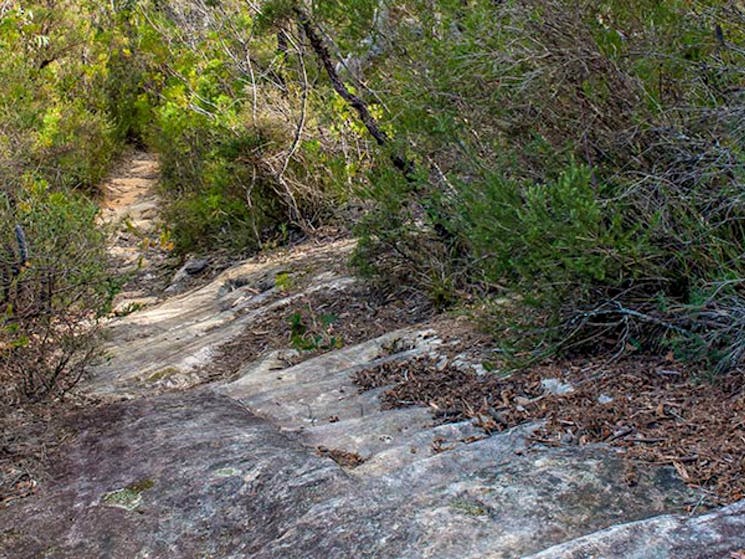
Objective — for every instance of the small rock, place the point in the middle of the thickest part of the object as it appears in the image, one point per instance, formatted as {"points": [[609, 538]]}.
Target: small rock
{"points": [[461, 362], [556, 387], [442, 363], [521, 402], [604, 399], [479, 369], [195, 266], [192, 267]]}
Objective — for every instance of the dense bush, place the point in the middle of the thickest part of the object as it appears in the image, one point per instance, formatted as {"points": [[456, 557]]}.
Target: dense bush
{"points": [[584, 158], [54, 285], [56, 123], [249, 149]]}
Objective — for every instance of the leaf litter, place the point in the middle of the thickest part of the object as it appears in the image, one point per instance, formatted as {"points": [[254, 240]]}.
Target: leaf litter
{"points": [[656, 410]]}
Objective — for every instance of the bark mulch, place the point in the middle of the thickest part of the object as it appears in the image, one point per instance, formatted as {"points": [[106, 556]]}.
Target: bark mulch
{"points": [[655, 409], [320, 322]]}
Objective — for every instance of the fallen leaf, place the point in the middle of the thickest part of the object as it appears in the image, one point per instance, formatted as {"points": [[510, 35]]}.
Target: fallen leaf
{"points": [[682, 471]]}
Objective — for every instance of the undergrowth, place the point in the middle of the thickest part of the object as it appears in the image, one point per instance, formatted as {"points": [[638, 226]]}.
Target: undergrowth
{"points": [[57, 143], [583, 160]]}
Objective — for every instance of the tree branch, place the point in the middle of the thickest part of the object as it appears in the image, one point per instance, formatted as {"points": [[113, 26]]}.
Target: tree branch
{"points": [[371, 124]]}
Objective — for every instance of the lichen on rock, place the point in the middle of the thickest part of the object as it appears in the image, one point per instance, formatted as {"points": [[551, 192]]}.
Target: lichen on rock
{"points": [[129, 497]]}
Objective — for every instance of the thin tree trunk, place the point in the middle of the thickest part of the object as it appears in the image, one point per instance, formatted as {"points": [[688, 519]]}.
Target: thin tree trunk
{"points": [[371, 124]]}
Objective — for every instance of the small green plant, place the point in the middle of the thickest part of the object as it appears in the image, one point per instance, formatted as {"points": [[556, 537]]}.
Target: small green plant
{"points": [[128, 309], [320, 336], [283, 281]]}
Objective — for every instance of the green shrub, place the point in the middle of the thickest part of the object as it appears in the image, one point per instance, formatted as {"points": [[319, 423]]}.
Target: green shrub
{"points": [[55, 283], [218, 194], [552, 234], [583, 159], [236, 129], [54, 64]]}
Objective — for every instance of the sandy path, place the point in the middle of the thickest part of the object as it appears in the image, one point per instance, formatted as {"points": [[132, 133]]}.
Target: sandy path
{"points": [[130, 207]]}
